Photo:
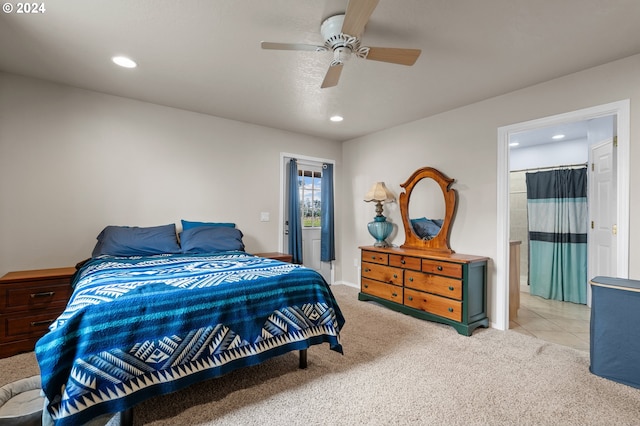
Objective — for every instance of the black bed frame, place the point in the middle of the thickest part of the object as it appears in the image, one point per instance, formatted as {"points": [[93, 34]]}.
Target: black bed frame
{"points": [[126, 417]]}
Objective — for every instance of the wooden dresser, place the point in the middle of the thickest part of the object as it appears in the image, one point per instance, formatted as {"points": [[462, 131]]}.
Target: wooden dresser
{"points": [[442, 287], [29, 302]]}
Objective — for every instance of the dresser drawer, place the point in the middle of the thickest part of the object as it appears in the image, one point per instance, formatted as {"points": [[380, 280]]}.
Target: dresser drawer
{"points": [[442, 268], [373, 257], [35, 294], [386, 274], [444, 286], [382, 290], [407, 262], [433, 304]]}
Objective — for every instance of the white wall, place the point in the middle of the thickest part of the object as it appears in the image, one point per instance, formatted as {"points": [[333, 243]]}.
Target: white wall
{"points": [[73, 161], [549, 155], [462, 143]]}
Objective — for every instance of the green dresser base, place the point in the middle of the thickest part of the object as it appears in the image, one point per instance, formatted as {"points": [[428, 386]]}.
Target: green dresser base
{"points": [[462, 328]]}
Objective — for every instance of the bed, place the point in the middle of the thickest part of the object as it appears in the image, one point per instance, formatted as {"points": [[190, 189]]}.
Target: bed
{"points": [[159, 320]]}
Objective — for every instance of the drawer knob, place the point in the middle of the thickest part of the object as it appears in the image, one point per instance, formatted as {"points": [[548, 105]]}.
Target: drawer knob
{"points": [[395, 275], [439, 268], [411, 279], [366, 286], [410, 298], [450, 309], [394, 294], [43, 294], [451, 287], [402, 261], [367, 269]]}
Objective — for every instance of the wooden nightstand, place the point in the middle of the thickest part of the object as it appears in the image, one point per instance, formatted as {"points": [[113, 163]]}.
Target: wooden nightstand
{"points": [[29, 302], [276, 255]]}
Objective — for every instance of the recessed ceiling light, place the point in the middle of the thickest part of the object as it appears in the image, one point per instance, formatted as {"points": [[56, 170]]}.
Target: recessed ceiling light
{"points": [[336, 118], [514, 144], [557, 137], [123, 61]]}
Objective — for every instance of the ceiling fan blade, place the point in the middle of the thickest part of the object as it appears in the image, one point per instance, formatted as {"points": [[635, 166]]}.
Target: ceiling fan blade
{"points": [[357, 15], [291, 46], [394, 55], [332, 76]]}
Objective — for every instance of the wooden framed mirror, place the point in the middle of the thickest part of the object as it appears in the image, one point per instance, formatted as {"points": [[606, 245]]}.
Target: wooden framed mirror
{"points": [[427, 217]]}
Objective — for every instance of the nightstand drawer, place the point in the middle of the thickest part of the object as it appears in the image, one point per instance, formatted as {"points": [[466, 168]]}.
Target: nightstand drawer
{"points": [[28, 325], [36, 294]]}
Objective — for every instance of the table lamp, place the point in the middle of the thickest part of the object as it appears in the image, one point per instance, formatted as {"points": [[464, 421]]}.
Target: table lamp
{"points": [[380, 228]]}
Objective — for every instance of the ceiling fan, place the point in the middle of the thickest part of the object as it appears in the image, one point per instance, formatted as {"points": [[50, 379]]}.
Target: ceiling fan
{"points": [[342, 36]]}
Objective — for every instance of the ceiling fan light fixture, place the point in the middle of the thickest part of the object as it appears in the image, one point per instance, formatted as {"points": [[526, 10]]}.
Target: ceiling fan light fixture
{"points": [[341, 55], [341, 34], [124, 62], [336, 118]]}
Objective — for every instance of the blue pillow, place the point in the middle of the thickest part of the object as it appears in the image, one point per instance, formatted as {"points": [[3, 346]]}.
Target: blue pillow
{"points": [[425, 228], [211, 239], [137, 241], [186, 224]]}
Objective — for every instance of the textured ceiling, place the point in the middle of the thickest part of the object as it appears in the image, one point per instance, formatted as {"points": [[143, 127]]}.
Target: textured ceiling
{"points": [[205, 56]]}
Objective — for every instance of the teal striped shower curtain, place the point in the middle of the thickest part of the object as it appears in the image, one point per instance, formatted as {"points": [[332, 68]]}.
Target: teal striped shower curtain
{"points": [[558, 220]]}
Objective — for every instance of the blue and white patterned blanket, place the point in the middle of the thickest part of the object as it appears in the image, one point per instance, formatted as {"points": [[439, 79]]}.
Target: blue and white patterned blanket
{"points": [[144, 326]]}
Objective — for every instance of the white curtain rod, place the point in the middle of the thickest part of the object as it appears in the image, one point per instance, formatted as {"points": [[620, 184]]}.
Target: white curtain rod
{"points": [[566, 166]]}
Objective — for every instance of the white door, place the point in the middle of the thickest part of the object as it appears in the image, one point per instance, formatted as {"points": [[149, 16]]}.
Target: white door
{"points": [[602, 212], [310, 172]]}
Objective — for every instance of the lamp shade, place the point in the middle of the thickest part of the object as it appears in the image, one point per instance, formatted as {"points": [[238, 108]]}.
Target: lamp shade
{"points": [[379, 192]]}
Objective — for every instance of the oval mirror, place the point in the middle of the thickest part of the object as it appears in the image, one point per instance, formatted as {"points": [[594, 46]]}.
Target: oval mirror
{"points": [[427, 207]]}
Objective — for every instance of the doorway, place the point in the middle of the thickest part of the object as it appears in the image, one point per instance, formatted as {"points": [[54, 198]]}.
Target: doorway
{"points": [[620, 110], [310, 170]]}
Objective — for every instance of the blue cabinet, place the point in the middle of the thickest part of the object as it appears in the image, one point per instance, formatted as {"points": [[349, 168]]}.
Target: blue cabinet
{"points": [[615, 330]]}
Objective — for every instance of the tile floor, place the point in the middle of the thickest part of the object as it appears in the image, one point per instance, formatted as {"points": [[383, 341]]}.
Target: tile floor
{"points": [[563, 323]]}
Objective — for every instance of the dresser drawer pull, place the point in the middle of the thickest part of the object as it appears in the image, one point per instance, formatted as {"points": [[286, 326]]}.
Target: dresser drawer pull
{"points": [[366, 286], [451, 287], [410, 298], [43, 294], [367, 269], [439, 268], [395, 275], [38, 323], [411, 279], [394, 294], [450, 309], [403, 261]]}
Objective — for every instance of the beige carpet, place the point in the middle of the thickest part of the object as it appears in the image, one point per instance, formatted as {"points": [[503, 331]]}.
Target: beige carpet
{"points": [[398, 370]]}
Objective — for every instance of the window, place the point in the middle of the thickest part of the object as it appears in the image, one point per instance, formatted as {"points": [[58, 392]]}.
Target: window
{"points": [[309, 184]]}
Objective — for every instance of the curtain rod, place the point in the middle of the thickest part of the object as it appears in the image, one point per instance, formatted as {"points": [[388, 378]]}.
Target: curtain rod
{"points": [[311, 163], [552, 167]]}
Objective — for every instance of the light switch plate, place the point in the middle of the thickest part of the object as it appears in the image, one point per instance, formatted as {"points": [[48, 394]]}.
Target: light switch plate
{"points": [[264, 217]]}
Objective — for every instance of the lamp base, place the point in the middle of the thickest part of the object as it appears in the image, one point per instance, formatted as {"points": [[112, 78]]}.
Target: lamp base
{"points": [[380, 230]]}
